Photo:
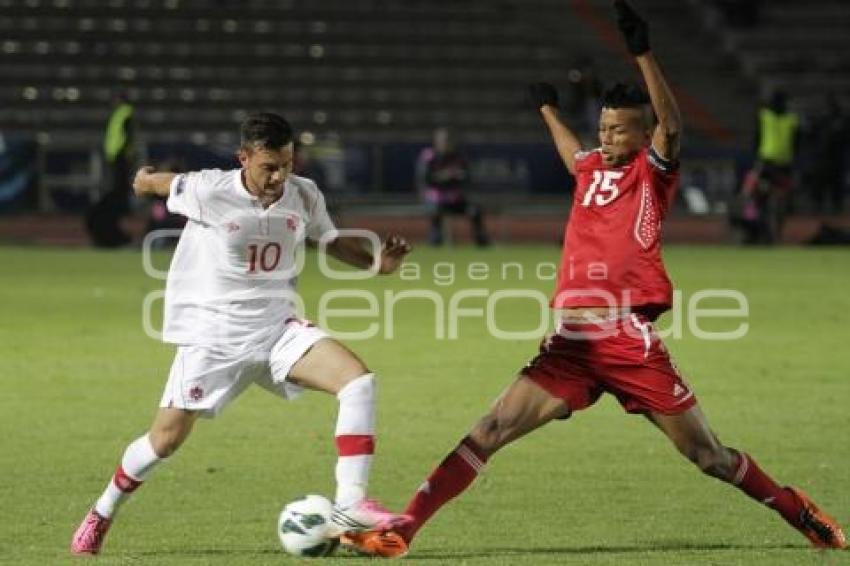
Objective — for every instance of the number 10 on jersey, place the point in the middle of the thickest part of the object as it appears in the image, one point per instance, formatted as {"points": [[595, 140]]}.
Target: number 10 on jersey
{"points": [[268, 256]]}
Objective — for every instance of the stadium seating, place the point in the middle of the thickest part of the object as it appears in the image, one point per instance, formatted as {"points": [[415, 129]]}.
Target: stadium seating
{"points": [[374, 70], [800, 47]]}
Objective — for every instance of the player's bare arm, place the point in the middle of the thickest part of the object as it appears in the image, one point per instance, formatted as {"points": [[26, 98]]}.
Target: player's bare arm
{"points": [[544, 98], [354, 251], [149, 182], [667, 134], [666, 137]]}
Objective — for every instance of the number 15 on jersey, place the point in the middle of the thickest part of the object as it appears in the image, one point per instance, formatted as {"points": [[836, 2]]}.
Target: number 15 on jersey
{"points": [[602, 188]]}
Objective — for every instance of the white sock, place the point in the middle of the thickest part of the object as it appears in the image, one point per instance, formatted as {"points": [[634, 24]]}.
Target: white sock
{"points": [[355, 439], [138, 462]]}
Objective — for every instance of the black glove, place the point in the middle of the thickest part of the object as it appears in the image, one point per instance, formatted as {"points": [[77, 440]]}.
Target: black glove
{"points": [[541, 94], [634, 28]]}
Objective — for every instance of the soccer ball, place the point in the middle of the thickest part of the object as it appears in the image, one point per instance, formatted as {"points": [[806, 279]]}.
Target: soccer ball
{"points": [[304, 527]]}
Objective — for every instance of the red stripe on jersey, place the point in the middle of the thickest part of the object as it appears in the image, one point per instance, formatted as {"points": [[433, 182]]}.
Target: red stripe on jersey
{"points": [[355, 444]]}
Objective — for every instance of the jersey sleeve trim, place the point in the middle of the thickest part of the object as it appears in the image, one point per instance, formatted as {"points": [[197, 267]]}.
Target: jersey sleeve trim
{"points": [[178, 185], [584, 153], [183, 198], [656, 160]]}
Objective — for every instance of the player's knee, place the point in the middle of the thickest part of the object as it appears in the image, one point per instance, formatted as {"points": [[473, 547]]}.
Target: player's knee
{"points": [[483, 435], [714, 461], [348, 366], [490, 433], [356, 368], [350, 376]]}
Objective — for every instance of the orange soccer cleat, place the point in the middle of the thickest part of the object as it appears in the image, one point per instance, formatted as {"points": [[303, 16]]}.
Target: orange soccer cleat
{"points": [[816, 525], [382, 544]]}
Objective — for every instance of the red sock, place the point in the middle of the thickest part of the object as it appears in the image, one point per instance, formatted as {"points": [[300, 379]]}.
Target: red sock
{"points": [[454, 474], [754, 482]]}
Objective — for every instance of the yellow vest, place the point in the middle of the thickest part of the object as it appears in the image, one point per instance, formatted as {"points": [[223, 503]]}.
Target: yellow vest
{"points": [[777, 136], [116, 136]]}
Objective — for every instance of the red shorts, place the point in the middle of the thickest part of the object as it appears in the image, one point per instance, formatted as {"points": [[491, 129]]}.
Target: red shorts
{"points": [[624, 357]]}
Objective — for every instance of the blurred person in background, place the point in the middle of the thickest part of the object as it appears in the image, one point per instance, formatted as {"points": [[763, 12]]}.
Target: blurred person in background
{"points": [[442, 173], [103, 219], [585, 91], [767, 188], [827, 141], [306, 164], [741, 13]]}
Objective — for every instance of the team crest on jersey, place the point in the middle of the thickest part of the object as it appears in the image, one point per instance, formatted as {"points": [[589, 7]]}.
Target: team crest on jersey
{"points": [[232, 227], [292, 223], [196, 393]]}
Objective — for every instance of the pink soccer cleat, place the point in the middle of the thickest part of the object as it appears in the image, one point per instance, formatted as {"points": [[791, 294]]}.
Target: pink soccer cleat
{"points": [[89, 536], [367, 515]]}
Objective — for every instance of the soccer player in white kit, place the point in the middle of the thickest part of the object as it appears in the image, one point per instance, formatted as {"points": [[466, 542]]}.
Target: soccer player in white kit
{"points": [[229, 309]]}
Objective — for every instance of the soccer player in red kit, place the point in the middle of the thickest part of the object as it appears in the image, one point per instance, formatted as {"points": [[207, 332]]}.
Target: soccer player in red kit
{"points": [[612, 285]]}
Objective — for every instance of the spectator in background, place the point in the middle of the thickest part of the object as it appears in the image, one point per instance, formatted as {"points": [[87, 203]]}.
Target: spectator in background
{"points": [[119, 144], [827, 142], [583, 96], [305, 164], [328, 154], [103, 219], [741, 13], [768, 196], [442, 173]]}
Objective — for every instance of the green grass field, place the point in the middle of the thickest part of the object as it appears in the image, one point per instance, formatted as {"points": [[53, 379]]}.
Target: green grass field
{"points": [[81, 380]]}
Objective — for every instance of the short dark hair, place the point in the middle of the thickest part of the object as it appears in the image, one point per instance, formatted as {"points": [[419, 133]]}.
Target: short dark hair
{"points": [[624, 95], [265, 129]]}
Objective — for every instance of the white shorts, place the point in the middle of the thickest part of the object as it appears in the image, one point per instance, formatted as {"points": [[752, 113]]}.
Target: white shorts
{"points": [[206, 380]]}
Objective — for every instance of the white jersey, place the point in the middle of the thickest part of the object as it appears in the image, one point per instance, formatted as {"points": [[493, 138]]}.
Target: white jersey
{"points": [[232, 278]]}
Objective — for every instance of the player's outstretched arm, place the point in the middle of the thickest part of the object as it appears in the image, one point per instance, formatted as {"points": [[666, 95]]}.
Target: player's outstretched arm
{"points": [[544, 97], [667, 135], [148, 182], [353, 251]]}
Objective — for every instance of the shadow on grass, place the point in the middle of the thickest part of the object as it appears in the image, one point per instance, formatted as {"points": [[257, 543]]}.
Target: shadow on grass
{"points": [[494, 551], [210, 552], [660, 546], [242, 553]]}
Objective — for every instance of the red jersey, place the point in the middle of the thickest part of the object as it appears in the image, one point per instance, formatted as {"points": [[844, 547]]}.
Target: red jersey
{"points": [[612, 244]]}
